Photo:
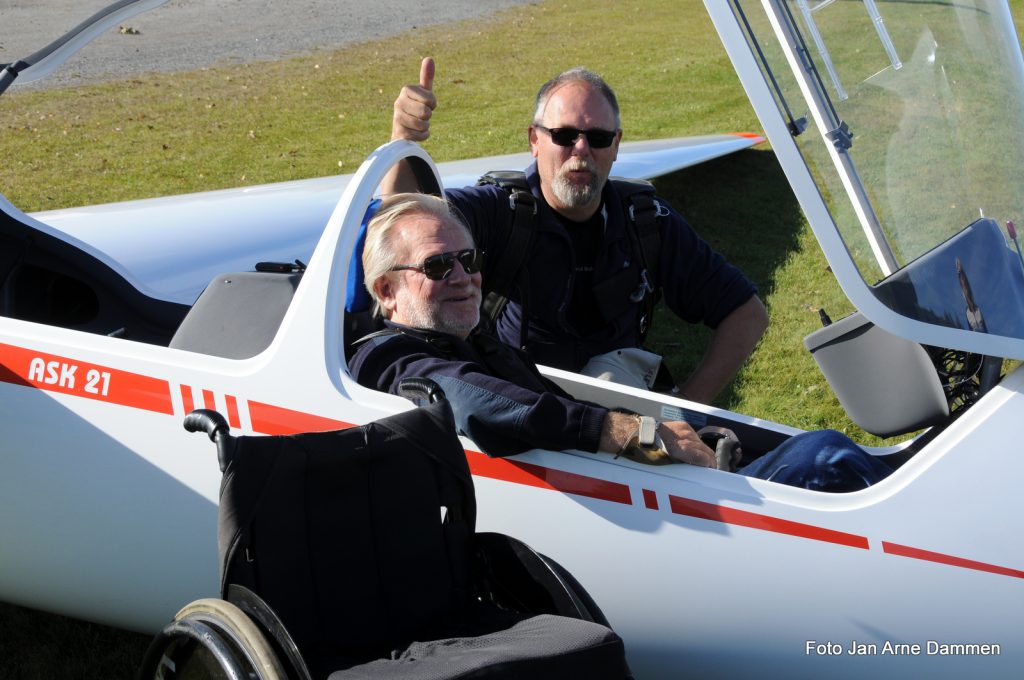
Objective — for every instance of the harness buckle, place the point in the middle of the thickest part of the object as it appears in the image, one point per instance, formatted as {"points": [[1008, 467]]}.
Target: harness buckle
{"points": [[660, 210], [513, 201], [643, 289]]}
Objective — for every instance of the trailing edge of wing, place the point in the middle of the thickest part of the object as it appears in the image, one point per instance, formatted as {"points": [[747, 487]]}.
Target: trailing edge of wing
{"points": [[171, 247]]}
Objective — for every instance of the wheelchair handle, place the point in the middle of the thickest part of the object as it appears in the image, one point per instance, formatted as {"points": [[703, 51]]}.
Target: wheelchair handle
{"points": [[208, 421]]}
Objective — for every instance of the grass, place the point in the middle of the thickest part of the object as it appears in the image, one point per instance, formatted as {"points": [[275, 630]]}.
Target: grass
{"points": [[162, 134], [39, 646]]}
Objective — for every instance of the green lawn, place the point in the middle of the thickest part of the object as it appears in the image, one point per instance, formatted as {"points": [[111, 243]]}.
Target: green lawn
{"points": [[164, 134]]}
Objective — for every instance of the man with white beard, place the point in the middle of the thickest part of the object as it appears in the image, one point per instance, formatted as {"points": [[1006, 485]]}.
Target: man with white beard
{"points": [[583, 274]]}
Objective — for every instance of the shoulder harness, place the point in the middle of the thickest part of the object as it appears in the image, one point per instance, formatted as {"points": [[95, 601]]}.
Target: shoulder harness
{"points": [[510, 273]]}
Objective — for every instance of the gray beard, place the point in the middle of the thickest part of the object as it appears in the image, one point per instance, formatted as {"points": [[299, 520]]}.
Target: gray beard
{"points": [[435, 320], [574, 195]]}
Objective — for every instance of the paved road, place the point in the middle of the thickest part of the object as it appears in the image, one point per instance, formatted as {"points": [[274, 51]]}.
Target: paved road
{"points": [[190, 34]]}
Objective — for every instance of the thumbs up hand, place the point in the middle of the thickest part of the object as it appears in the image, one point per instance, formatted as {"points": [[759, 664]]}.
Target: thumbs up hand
{"points": [[414, 106]]}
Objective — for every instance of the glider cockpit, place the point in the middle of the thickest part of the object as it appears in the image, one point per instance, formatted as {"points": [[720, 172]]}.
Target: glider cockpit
{"points": [[878, 115], [52, 280]]}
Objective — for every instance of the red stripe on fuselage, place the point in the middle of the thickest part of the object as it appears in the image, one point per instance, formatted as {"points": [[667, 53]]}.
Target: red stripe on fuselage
{"points": [[186, 399], [267, 419], [941, 558], [717, 513], [232, 404], [65, 375], [29, 368], [519, 472]]}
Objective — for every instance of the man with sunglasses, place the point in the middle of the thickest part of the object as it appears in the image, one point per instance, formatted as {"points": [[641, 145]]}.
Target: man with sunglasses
{"points": [[423, 272], [585, 294]]}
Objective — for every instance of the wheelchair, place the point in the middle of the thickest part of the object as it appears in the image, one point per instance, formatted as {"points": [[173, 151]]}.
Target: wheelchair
{"points": [[354, 554]]}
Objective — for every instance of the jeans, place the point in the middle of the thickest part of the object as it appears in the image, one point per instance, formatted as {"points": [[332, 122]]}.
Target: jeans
{"points": [[824, 460]]}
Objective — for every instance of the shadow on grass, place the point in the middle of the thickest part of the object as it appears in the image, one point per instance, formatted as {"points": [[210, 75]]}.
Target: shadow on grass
{"points": [[38, 646], [743, 206]]}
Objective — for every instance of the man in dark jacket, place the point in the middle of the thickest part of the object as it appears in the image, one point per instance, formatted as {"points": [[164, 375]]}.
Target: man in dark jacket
{"points": [[586, 292], [423, 271]]}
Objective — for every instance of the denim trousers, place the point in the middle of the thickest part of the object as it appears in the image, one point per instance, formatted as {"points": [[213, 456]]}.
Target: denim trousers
{"points": [[824, 460]]}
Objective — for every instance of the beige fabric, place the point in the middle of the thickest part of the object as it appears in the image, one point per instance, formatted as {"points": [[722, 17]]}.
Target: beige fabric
{"points": [[628, 366]]}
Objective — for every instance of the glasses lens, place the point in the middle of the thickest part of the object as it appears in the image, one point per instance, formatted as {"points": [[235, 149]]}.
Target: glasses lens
{"points": [[471, 260], [598, 139], [564, 136], [439, 267]]}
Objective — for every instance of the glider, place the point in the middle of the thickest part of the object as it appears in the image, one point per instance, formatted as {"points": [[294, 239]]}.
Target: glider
{"points": [[898, 128]]}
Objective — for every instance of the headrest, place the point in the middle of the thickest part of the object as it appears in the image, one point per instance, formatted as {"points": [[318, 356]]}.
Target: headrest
{"points": [[888, 385], [357, 298]]}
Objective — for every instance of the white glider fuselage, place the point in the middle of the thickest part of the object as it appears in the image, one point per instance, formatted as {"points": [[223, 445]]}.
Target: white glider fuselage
{"points": [[120, 496]]}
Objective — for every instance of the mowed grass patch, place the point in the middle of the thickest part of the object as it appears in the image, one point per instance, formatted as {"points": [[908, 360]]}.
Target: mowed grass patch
{"points": [[162, 134]]}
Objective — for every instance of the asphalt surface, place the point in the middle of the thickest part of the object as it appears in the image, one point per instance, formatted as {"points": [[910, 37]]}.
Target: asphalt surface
{"points": [[191, 34]]}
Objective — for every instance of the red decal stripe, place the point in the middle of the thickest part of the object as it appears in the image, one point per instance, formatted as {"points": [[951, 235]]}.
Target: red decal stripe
{"points": [[941, 558], [208, 401], [541, 477], [650, 499], [268, 419], [65, 375], [233, 419], [186, 399], [716, 513], [8, 375]]}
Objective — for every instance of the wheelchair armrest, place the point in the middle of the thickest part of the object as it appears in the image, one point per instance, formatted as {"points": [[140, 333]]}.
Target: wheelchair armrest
{"points": [[515, 576]]}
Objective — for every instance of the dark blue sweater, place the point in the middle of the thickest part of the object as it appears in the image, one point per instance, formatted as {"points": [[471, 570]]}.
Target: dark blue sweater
{"points": [[499, 398], [696, 282]]}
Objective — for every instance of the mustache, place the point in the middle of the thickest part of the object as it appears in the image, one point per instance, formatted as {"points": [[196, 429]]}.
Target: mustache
{"points": [[574, 164]]}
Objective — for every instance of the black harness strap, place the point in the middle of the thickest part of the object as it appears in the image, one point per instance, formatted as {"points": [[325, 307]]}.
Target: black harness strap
{"points": [[644, 211], [510, 272]]}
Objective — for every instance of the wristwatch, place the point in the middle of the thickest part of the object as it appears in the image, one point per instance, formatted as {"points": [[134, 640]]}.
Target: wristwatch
{"points": [[647, 434], [646, 442]]}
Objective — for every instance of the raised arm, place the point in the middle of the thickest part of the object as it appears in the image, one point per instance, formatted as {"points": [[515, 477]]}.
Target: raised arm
{"points": [[413, 108]]}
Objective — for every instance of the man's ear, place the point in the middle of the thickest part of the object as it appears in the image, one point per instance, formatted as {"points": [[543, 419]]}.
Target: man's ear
{"points": [[531, 132], [385, 289]]}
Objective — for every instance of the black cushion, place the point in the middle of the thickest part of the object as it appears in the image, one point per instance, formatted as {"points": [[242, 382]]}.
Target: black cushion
{"points": [[536, 648]]}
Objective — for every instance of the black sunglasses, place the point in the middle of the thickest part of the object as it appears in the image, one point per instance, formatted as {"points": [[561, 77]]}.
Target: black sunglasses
{"points": [[567, 136], [439, 267]]}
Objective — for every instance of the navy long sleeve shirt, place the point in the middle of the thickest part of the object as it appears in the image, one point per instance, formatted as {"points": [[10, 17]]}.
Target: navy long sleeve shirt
{"points": [[500, 399]]}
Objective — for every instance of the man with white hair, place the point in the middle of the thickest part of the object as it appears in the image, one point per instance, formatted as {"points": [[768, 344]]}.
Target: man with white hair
{"points": [[423, 272]]}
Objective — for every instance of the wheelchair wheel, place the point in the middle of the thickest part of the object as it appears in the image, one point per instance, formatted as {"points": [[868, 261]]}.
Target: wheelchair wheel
{"points": [[211, 638], [242, 631]]}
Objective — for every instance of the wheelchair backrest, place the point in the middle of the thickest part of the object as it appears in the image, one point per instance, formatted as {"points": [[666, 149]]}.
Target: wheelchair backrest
{"points": [[356, 538]]}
